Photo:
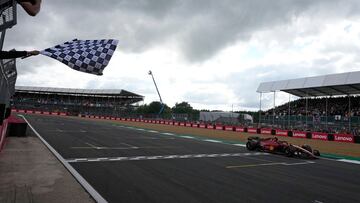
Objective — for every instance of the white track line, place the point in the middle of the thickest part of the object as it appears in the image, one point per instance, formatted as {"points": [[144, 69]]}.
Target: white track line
{"points": [[168, 133], [163, 157], [187, 137], [270, 164], [94, 194], [240, 145], [216, 141], [349, 161], [129, 145]]}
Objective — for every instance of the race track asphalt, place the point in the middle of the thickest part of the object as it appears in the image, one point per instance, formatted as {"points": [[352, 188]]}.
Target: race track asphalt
{"points": [[137, 165]]}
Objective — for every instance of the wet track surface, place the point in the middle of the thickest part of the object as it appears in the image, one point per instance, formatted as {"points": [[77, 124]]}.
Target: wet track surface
{"points": [[132, 165]]}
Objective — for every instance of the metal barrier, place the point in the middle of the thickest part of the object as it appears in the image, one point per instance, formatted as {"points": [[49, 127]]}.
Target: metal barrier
{"points": [[8, 71]]}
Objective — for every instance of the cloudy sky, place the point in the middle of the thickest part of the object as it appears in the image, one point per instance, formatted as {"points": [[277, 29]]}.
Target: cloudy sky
{"points": [[210, 53]]}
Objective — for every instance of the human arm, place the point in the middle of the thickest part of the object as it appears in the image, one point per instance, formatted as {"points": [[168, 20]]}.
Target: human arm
{"points": [[17, 54]]}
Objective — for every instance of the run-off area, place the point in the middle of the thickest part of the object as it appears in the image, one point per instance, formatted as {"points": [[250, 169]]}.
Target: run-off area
{"points": [[126, 164]]}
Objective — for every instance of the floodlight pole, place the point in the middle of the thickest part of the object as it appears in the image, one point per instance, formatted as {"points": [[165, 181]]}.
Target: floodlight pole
{"points": [[274, 109], [152, 76], [259, 125], [306, 110], [289, 112], [326, 112], [349, 113]]}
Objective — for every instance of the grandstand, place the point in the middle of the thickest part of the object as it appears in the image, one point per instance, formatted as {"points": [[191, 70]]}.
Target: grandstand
{"points": [[102, 102], [328, 103]]}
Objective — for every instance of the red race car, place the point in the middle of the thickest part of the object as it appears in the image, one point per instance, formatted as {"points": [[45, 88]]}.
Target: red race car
{"points": [[273, 145]]}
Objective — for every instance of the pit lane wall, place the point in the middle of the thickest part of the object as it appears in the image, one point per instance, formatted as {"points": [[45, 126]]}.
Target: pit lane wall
{"points": [[263, 131]]}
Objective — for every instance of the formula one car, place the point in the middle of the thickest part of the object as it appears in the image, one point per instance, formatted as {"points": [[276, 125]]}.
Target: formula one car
{"points": [[273, 145]]}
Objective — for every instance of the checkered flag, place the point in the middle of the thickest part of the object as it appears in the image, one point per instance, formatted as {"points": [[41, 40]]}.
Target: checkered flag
{"points": [[90, 56]]}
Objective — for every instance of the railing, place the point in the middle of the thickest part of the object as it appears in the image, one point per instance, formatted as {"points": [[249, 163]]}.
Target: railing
{"points": [[8, 14], [8, 72]]}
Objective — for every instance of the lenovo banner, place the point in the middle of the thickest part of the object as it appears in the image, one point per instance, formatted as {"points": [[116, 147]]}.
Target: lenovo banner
{"points": [[229, 128], [299, 134], [279, 132], [343, 138], [209, 126], [240, 129], [218, 127], [319, 136], [266, 131], [252, 130]]}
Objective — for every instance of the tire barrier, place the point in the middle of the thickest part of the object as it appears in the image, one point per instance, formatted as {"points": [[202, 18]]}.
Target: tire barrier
{"points": [[357, 139]]}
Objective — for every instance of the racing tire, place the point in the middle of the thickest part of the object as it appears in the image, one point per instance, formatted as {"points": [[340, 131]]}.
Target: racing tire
{"points": [[316, 152], [250, 146], [289, 152]]}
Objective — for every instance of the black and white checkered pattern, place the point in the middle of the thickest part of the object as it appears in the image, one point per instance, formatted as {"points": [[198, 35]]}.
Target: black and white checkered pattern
{"points": [[90, 56]]}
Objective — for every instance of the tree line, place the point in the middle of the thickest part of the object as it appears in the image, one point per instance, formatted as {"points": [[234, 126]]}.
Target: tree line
{"points": [[179, 108]]}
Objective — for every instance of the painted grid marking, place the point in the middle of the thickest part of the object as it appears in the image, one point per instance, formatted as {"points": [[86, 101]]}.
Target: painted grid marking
{"points": [[216, 141], [185, 156], [270, 164], [349, 161], [168, 133], [187, 137]]}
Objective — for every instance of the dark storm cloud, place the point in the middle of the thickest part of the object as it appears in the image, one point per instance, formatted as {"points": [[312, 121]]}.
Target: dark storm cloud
{"points": [[199, 28]]}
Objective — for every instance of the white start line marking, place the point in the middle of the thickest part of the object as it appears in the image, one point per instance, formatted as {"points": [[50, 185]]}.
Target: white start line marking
{"points": [[163, 157]]}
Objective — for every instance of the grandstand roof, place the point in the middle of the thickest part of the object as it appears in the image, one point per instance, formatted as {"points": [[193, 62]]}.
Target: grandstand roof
{"points": [[325, 85], [99, 92]]}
